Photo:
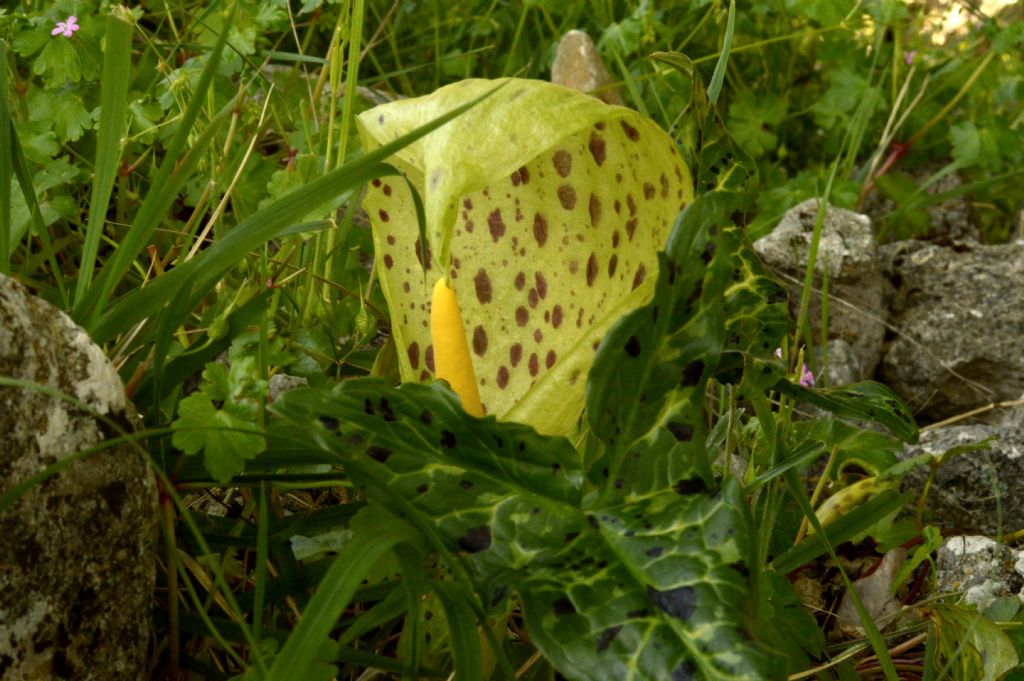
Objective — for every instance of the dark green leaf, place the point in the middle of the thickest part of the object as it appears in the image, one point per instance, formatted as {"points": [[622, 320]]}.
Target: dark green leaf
{"points": [[866, 401]]}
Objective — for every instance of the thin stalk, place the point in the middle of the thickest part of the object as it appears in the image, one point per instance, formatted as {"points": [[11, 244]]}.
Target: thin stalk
{"points": [[173, 634], [956, 99], [6, 164], [355, 34], [515, 39]]}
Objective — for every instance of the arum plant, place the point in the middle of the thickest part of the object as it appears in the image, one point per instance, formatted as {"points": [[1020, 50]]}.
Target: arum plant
{"points": [[544, 214]]}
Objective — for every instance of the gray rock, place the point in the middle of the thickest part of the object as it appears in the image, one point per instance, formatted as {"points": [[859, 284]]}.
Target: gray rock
{"points": [[578, 65], [983, 570], [279, 384], [843, 366], [960, 323], [77, 551], [847, 253], [974, 491]]}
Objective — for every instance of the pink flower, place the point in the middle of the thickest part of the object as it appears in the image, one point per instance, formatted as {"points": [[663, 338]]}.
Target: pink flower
{"points": [[806, 377], [67, 28], [908, 57]]}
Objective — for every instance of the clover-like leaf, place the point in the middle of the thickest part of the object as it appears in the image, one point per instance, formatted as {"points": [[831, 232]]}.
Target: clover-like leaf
{"points": [[225, 438], [545, 208]]}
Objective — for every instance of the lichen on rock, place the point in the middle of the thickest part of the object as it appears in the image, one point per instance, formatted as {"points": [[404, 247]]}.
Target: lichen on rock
{"points": [[77, 551]]}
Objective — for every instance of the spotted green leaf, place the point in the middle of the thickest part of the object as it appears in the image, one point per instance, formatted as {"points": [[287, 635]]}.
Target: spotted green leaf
{"points": [[642, 570], [641, 587], [546, 208], [865, 401], [724, 172]]}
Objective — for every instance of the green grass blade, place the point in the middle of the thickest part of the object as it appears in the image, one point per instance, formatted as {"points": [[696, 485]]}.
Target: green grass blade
{"points": [[179, 160], [6, 165], [304, 650], [846, 527], [870, 629], [206, 269], [465, 640], [112, 124], [262, 551], [715, 86]]}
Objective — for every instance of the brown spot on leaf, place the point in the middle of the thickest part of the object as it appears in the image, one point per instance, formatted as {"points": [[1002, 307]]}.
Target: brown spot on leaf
{"points": [[556, 316], [389, 262], [595, 210], [567, 195], [496, 224], [520, 281], [538, 335], [467, 204], [597, 148], [383, 215], [630, 228], [541, 283], [641, 274], [534, 364], [515, 354], [664, 186], [631, 132], [479, 341], [613, 263], [502, 377], [391, 240], [562, 161], [484, 289], [469, 226], [632, 205], [549, 361], [591, 269], [522, 316], [387, 190], [533, 298], [615, 239], [414, 354], [648, 191], [540, 229], [428, 358]]}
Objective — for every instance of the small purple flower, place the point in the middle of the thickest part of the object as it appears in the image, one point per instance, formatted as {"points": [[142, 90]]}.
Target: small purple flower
{"points": [[806, 377], [908, 57], [66, 28]]}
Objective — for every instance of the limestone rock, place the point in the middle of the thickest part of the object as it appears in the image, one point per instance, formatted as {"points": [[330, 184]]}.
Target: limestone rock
{"points": [[282, 383], [960, 323], [973, 490], [982, 569], [77, 551], [847, 253], [579, 66]]}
